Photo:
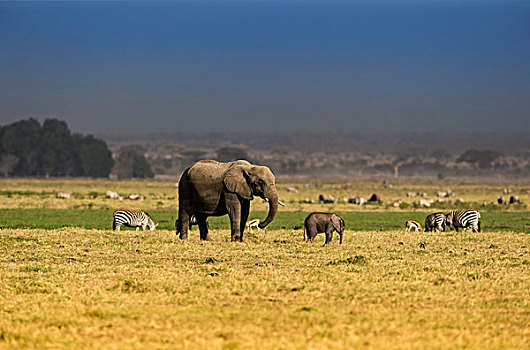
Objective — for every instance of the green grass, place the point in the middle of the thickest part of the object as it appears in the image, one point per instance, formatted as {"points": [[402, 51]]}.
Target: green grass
{"points": [[358, 221]]}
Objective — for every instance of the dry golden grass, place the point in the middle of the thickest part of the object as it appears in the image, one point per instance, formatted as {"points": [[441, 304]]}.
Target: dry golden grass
{"points": [[76, 288]]}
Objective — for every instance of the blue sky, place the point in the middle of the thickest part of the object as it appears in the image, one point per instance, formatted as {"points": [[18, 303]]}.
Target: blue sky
{"points": [[270, 65]]}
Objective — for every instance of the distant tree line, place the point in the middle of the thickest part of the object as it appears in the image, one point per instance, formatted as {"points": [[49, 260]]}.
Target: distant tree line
{"points": [[28, 148], [131, 162]]}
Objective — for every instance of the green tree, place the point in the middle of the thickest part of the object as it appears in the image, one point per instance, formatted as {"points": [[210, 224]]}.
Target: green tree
{"points": [[141, 167], [27, 149], [131, 162], [57, 153], [22, 139], [95, 157], [8, 162]]}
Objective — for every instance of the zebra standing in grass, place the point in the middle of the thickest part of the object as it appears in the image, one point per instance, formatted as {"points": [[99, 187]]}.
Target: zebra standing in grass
{"points": [[132, 218], [435, 222], [469, 219]]}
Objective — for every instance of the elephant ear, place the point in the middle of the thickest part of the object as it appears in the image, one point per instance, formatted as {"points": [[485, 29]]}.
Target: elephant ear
{"points": [[235, 180], [335, 221]]}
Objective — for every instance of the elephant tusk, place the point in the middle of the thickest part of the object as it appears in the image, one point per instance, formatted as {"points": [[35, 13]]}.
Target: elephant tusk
{"points": [[279, 202]]}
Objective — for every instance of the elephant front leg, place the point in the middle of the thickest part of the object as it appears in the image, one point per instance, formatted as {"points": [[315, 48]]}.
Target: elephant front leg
{"points": [[245, 211], [329, 235], [233, 207]]}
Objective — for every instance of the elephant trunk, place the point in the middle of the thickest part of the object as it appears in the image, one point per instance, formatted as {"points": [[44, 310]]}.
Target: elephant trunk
{"points": [[272, 198]]}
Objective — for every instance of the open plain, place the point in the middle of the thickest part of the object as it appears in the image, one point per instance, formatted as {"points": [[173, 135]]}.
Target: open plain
{"points": [[68, 281]]}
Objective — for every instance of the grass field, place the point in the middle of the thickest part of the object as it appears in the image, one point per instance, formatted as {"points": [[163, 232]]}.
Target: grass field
{"points": [[78, 288], [90, 194], [68, 281], [512, 221]]}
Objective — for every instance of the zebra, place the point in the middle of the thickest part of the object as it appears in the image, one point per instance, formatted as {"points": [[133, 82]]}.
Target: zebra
{"points": [[467, 219], [435, 222], [413, 224], [132, 218]]}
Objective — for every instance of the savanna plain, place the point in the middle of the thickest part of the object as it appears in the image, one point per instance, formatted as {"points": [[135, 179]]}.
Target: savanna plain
{"points": [[68, 281]]}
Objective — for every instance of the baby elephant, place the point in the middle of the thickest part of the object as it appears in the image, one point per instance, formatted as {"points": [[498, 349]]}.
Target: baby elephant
{"points": [[323, 222]]}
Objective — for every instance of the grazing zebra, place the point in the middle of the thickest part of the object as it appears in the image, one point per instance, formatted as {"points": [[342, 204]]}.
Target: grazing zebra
{"points": [[253, 223], [132, 218], [469, 219], [435, 222], [413, 224]]}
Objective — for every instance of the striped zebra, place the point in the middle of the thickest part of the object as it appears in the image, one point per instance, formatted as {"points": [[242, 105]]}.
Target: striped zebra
{"points": [[435, 222], [466, 219], [413, 224], [132, 218]]}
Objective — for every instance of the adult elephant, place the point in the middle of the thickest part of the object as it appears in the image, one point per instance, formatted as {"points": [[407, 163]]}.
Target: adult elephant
{"points": [[210, 188]]}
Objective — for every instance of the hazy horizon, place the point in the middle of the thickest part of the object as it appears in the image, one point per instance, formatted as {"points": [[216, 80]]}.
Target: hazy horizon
{"points": [[281, 65]]}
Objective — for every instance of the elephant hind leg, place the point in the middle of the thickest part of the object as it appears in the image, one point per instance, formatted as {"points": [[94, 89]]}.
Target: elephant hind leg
{"points": [[329, 235], [184, 221], [203, 227], [311, 232]]}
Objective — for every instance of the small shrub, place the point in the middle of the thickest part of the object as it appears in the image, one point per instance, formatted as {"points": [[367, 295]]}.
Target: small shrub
{"points": [[404, 205], [210, 260], [356, 260], [36, 269], [93, 194], [130, 285]]}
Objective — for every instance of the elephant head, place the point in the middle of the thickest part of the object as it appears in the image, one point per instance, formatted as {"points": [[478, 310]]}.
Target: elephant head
{"points": [[249, 180], [338, 224]]}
